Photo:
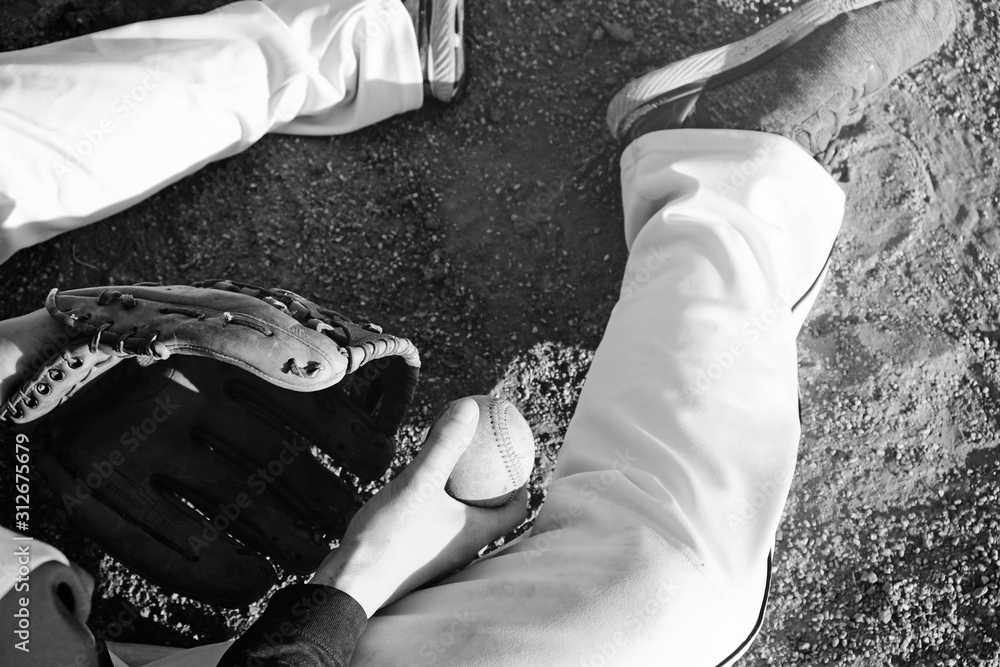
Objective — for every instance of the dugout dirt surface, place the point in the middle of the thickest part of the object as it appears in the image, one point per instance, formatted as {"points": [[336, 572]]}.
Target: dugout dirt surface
{"points": [[489, 233]]}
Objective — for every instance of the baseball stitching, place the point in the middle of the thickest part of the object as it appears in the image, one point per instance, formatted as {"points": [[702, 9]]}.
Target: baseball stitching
{"points": [[502, 436]]}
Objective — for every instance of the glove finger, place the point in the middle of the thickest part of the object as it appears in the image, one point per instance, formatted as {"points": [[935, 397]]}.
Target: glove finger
{"points": [[246, 471], [385, 387], [274, 495], [152, 534], [328, 419]]}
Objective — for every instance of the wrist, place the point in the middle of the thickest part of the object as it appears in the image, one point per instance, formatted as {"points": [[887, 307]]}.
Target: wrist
{"points": [[353, 571]]}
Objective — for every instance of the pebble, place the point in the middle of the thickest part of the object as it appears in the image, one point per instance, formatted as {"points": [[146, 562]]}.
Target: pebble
{"points": [[618, 32]]}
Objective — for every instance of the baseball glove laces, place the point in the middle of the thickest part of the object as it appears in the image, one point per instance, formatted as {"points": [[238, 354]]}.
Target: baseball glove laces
{"points": [[204, 434]]}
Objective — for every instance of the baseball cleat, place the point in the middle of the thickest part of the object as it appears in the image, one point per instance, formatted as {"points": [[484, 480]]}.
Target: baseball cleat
{"points": [[802, 77], [440, 27]]}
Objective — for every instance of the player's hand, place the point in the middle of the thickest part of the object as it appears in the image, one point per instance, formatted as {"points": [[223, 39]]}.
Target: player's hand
{"points": [[412, 532]]}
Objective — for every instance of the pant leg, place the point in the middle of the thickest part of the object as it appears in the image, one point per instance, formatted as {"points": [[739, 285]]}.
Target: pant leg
{"points": [[652, 546], [91, 125]]}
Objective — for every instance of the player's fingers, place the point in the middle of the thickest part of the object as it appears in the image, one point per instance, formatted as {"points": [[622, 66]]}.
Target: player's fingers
{"points": [[449, 438], [498, 521], [511, 514]]}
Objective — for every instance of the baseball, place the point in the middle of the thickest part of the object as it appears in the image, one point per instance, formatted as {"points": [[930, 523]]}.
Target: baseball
{"points": [[499, 461]]}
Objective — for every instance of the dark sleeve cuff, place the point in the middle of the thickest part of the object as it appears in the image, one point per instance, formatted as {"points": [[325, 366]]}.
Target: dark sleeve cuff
{"points": [[305, 625]]}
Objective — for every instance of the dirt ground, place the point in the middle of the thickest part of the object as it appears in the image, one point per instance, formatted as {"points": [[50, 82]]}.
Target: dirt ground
{"points": [[489, 233]]}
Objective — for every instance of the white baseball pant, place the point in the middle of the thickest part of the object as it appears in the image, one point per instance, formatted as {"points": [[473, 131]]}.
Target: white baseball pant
{"points": [[92, 125]]}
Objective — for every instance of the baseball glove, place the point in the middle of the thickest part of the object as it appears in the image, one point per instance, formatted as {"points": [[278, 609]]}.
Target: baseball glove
{"points": [[180, 428]]}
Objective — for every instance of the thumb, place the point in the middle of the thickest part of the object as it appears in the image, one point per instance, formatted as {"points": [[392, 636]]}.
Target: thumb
{"points": [[450, 436]]}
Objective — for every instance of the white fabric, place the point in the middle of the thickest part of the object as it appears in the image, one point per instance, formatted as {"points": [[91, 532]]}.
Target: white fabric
{"points": [[91, 125], [116, 661], [652, 546]]}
